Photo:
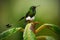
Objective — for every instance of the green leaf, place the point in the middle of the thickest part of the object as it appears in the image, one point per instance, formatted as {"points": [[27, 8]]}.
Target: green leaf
{"points": [[9, 32], [54, 28], [45, 38], [28, 33]]}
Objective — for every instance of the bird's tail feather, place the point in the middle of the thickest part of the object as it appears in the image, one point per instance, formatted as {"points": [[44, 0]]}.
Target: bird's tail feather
{"points": [[21, 18]]}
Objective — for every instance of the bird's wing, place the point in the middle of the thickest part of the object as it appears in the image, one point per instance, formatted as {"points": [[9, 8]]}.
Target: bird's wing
{"points": [[21, 18], [27, 13]]}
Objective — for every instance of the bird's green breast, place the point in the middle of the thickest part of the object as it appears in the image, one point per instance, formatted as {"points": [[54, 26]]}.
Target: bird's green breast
{"points": [[32, 13]]}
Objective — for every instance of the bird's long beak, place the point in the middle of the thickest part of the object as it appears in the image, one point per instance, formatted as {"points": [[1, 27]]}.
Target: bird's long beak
{"points": [[38, 6]]}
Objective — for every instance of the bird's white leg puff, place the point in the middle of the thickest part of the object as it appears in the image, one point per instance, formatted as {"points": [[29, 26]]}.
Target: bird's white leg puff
{"points": [[30, 18], [33, 18]]}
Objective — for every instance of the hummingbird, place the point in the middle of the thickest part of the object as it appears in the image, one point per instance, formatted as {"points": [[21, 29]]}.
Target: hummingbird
{"points": [[30, 15]]}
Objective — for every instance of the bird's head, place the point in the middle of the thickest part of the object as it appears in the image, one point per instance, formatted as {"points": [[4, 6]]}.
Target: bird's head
{"points": [[34, 7]]}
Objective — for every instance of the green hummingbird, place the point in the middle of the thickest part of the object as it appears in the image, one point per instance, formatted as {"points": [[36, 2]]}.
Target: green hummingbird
{"points": [[30, 15]]}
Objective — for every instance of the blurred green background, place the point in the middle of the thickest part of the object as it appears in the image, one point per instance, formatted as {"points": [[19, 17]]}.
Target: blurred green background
{"points": [[12, 10]]}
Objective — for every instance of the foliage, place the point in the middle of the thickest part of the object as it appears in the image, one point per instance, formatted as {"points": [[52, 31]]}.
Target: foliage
{"points": [[28, 33]]}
